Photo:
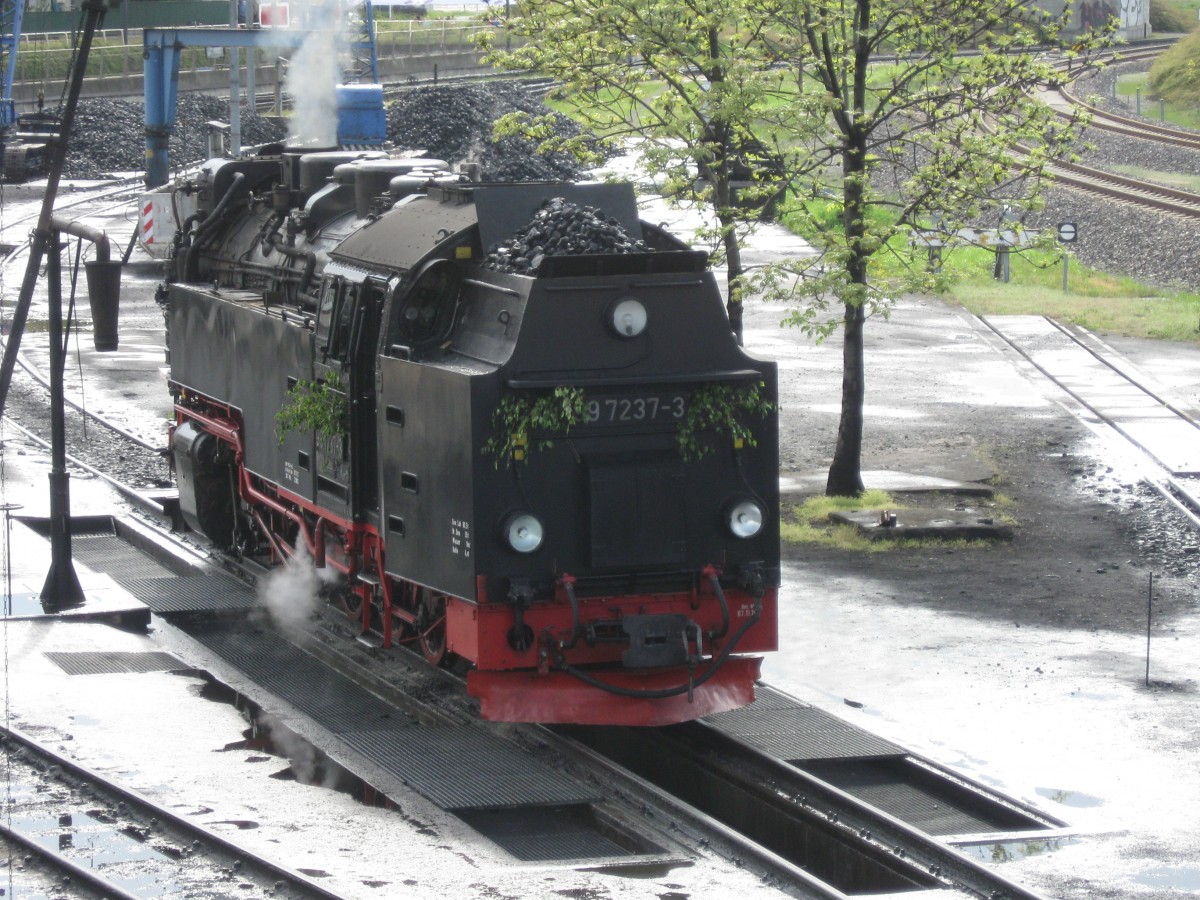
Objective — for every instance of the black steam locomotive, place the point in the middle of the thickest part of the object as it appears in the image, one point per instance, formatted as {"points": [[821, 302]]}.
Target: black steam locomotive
{"points": [[512, 416]]}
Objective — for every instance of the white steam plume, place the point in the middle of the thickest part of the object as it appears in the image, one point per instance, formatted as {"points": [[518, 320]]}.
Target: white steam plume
{"points": [[291, 593], [312, 77]]}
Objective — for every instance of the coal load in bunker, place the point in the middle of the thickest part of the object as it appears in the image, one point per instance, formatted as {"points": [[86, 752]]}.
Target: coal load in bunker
{"points": [[512, 418]]}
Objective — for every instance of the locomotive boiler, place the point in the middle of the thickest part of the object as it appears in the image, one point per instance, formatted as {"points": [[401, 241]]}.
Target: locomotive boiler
{"points": [[512, 417]]}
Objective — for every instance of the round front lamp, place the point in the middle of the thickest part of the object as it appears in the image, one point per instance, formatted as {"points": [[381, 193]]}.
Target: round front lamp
{"points": [[745, 519], [524, 533], [627, 318]]}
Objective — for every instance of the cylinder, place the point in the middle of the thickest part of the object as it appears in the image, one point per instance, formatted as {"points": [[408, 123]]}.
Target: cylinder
{"points": [[104, 297]]}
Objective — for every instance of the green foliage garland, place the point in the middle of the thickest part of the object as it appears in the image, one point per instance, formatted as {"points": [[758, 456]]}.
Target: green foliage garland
{"points": [[517, 417], [714, 408], [322, 406], [719, 408]]}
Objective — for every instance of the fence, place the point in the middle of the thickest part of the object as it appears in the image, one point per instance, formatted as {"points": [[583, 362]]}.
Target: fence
{"points": [[46, 57]]}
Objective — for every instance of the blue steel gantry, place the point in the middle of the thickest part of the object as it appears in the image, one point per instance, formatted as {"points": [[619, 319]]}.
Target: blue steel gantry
{"points": [[160, 68], [161, 53], [11, 14]]}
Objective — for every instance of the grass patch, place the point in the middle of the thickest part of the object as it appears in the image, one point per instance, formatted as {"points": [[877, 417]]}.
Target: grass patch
{"points": [[1178, 180], [1130, 84], [809, 522], [1095, 300]]}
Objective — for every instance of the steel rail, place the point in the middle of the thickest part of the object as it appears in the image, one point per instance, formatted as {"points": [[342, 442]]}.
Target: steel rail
{"points": [[1128, 190], [1164, 482], [151, 809]]}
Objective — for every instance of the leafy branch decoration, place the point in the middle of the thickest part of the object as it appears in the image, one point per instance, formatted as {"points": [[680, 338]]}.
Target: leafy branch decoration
{"points": [[517, 417], [720, 408], [321, 405], [714, 409]]}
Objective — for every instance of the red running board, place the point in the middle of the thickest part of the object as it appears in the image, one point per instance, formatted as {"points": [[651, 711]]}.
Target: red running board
{"points": [[561, 698]]}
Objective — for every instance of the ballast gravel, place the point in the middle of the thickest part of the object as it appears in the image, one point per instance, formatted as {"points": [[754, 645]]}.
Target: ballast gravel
{"points": [[1154, 247]]}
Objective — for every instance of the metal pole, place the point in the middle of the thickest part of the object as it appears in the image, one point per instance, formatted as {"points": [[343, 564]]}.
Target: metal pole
{"points": [[1066, 265], [1149, 609], [62, 589], [235, 88]]}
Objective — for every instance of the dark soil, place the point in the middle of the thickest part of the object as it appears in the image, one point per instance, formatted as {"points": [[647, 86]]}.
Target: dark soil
{"points": [[1088, 534]]}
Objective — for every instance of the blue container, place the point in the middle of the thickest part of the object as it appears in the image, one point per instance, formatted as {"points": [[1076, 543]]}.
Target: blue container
{"points": [[360, 115]]}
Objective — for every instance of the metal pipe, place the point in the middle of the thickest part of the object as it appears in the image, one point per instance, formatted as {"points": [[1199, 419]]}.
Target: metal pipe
{"points": [[61, 589], [88, 232]]}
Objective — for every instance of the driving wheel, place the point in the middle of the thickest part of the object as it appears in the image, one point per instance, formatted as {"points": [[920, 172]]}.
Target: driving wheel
{"points": [[431, 626]]}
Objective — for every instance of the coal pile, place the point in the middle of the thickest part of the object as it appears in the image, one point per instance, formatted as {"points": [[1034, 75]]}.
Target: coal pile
{"points": [[455, 124], [561, 228], [109, 136]]}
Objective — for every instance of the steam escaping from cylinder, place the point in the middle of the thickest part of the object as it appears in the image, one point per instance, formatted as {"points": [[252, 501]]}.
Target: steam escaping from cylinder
{"points": [[312, 77], [291, 593]]}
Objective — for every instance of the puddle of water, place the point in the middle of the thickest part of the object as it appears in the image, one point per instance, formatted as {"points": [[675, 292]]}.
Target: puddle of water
{"points": [[1070, 798], [1179, 877], [1184, 878], [23, 605], [96, 843], [147, 885], [268, 739], [1008, 851]]}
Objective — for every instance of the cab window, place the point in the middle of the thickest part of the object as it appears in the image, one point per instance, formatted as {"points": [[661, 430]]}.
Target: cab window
{"points": [[425, 310]]}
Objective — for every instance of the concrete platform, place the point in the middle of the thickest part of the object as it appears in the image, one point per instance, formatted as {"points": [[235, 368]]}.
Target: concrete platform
{"points": [[920, 524], [104, 601], [810, 483]]}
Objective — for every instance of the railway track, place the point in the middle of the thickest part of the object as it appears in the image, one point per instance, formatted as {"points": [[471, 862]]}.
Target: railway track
{"points": [[1064, 99], [99, 444], [1163, 431], [114, 843], [1181, 203]]}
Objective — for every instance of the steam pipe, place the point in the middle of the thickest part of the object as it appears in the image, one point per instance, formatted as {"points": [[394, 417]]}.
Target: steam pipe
{"points": [[309, 256], [203, 229]]}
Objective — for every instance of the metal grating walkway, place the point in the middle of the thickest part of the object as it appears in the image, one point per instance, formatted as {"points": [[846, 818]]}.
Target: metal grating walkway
{"points": [[546, 834], [115, 557], [191, 593], [796, 732], [457, 767], [106, 662]]}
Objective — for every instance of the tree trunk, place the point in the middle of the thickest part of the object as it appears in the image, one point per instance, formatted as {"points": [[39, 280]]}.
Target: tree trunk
{"points": [[733, 274], [845, 472]]}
